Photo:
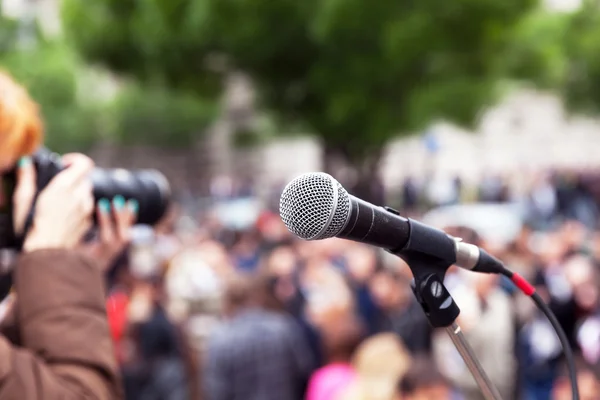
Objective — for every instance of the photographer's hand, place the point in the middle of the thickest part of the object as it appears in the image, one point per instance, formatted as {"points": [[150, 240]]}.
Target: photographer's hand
{"points": [[63, 211], [24, 194], [114, 225]]}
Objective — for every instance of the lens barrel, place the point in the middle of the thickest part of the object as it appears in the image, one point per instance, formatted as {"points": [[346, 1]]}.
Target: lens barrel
{"points": [[148, 187]]}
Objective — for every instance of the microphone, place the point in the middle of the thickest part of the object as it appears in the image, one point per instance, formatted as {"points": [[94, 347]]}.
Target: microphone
{"points": [[316, 206]]}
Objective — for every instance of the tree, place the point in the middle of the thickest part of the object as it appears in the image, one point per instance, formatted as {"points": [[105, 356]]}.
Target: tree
{"points": [[354, 73], [358, 73], [580, 85], [48, 70], [537, 54], [568, 43], [154, 115], [161, 48]]}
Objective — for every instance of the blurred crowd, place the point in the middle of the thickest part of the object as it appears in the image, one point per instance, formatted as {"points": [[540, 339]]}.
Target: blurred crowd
{"points": [[203, 310]]}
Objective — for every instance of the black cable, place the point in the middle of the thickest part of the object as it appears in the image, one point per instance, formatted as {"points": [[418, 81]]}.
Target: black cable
{"points": [[530, 291], [569, 357]]}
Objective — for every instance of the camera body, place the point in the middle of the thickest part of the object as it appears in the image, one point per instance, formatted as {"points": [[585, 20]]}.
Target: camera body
{"points": [[148, 187]]}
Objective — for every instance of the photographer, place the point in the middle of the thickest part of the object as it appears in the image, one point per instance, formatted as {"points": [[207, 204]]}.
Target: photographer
{"points": [[55, 341]]}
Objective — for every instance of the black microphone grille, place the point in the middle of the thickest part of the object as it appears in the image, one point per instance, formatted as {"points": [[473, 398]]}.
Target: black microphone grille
{"points": [[314, 206]]}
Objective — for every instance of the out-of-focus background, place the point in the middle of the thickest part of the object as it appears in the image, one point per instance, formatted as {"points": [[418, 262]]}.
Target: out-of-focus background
{"points": [[477, 116]]}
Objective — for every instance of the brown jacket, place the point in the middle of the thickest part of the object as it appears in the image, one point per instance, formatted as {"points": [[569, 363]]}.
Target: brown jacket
{"points": [[56, 342]]}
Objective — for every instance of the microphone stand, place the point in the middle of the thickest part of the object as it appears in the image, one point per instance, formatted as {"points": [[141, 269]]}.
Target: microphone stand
{"points": [[442, 312], [429, 253]]}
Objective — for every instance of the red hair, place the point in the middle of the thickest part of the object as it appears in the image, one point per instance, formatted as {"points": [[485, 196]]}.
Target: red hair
{"points": [[21, 130]]}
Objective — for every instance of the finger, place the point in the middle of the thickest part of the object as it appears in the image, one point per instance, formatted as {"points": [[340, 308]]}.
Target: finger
{"points": [[105, 223], [83, 228], [133, 207], [74, 158], [123, 218], [85, 197], [82, 203], [82, 214], [24, 193], [78, 168]]}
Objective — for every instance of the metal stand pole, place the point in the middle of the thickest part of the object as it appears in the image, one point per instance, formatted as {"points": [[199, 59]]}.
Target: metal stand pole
{"points": [[442, 312], [429, 253], [487, 388]]}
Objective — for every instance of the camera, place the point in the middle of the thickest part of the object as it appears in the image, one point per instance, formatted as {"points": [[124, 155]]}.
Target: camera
{"points": [[148, 187]]}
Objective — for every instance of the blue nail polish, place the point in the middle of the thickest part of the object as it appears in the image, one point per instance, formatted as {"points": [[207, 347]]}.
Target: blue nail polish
{"points": [[133, 205], [104, 206], [119, 202], [24, 162]]}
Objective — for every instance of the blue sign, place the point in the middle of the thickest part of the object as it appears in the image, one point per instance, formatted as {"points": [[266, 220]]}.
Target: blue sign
{"points": [[431, 142]]}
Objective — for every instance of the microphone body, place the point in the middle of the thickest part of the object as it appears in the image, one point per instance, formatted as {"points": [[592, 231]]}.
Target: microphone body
{"points": [[375, 226], [315, 206]]}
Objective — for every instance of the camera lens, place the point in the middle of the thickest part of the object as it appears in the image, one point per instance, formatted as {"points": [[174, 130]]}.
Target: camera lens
{"points": [[149, 188]]}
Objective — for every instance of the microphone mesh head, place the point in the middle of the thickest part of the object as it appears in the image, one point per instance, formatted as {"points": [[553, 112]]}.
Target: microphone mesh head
{"points": [[314, 206]]}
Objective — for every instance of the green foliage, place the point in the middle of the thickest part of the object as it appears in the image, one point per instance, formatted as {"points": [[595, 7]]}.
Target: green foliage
{"points": [[164, 46], [561, 51], [155, 116], [246, 138], [581, 83], [48, 70], [537, 53], [357, 73], [9, 30], [156, 41]]}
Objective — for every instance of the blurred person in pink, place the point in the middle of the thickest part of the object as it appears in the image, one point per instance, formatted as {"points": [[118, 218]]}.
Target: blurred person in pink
{"points": [[328, 382], [380, 363]]}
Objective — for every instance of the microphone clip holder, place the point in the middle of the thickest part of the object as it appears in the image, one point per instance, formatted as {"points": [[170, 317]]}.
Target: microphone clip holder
{"points": [[442, 311]]}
